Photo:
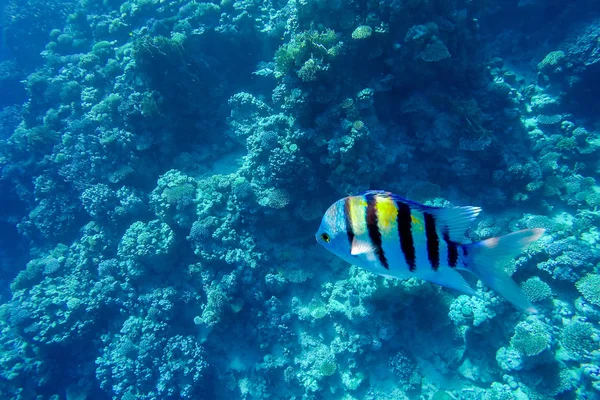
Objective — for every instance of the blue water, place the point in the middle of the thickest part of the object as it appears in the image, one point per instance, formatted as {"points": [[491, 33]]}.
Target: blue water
{"points": [[166, 164]]}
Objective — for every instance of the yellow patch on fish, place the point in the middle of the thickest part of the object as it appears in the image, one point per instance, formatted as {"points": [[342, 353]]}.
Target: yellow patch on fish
{"points": [[358, 209], [417, 223], [387, 211]]}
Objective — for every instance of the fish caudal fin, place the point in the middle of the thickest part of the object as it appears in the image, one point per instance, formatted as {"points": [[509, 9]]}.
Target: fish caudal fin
{"points": [[486, 259]]}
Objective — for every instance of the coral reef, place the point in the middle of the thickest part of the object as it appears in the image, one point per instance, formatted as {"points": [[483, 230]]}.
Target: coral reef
{"points": [[164, 165]]}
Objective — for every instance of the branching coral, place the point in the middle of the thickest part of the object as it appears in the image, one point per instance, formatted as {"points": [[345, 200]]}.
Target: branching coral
{"points": [[536, 290], [126, 366], [305, 46], [589, 287], [147, 245], [580, 338], [531, 337], [174, 198]]}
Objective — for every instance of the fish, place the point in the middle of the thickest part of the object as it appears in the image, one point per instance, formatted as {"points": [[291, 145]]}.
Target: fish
{"points": [[398, 238]]}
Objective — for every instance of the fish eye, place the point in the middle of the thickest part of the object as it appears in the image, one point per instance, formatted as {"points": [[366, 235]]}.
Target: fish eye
{"points": [[325, 237]]}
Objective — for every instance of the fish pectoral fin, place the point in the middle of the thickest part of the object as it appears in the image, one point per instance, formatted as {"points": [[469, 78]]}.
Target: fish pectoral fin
{"points": [[451, 279], [361, 247]]}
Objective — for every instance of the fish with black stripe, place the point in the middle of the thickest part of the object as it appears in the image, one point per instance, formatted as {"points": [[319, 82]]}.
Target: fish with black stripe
{"points": [[399, 238]]}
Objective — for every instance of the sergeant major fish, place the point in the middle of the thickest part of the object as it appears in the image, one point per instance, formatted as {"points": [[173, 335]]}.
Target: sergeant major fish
{"points": [[399, 238]]}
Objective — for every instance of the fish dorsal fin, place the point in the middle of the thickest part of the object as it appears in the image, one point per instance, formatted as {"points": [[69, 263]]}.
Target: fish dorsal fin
{"points": [[360, 246], [452, 221]]}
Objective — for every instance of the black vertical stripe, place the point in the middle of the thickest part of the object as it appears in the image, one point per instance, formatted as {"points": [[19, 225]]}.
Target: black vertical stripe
{"points": [[373, 229], [452, 249], [407, 243], [349, 230], [465, 254], [433, 242]]}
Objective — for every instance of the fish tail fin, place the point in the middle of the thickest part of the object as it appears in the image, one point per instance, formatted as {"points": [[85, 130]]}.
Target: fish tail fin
{"points": [[486, 259]]}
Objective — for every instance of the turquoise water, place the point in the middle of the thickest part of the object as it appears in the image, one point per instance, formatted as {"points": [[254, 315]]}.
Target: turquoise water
{"points": [[166, 164]]}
